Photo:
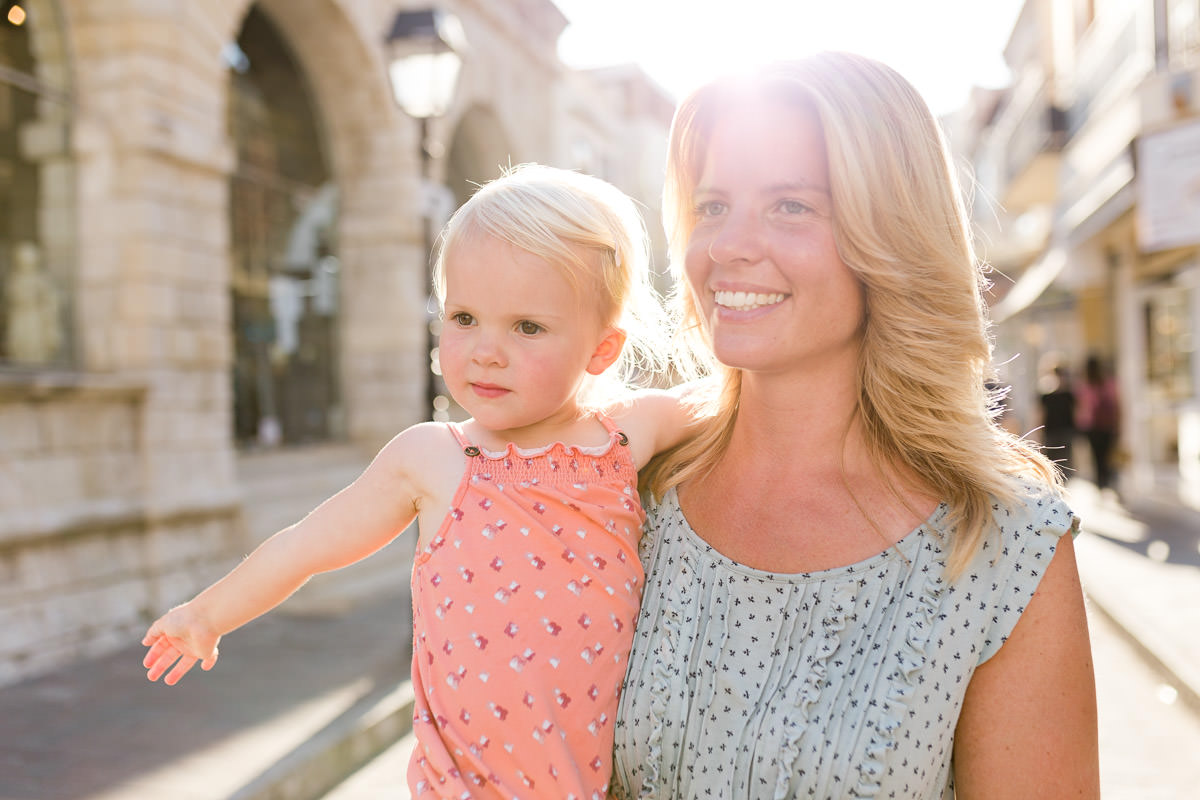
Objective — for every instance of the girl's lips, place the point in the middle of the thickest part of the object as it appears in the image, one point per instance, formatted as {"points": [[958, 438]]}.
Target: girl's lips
{"points": [[488, 390]]}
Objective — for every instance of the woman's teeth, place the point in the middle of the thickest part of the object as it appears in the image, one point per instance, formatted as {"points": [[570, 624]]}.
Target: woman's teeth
{"points": [[744, 301]]}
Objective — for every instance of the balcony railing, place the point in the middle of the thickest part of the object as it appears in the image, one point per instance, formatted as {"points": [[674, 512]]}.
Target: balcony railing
{"points": [[1030, 136], [1101, 60], [1042, 128]]}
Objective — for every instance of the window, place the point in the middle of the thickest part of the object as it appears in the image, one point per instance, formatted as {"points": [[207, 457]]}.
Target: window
{"points": [[35, 193], [283, 211], [1183, 26]]}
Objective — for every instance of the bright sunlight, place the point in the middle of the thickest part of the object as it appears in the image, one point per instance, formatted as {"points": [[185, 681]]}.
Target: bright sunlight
{"points": [[943, 46]]}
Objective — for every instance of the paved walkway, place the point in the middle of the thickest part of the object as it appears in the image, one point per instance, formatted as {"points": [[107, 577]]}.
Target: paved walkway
{"points": [[294, 705], [1140, 566], [297, 703]]}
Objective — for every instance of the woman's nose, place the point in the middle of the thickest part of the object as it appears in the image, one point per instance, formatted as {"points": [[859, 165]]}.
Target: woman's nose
{"points": [[739, 238]]}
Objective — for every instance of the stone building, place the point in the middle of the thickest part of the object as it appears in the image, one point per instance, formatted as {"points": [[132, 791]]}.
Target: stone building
{"points": [[213, 251], [1088, 205]]}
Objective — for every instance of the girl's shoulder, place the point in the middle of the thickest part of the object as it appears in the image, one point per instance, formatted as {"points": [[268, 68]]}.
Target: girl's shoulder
{"points": [[433, 434], [424, 447]]}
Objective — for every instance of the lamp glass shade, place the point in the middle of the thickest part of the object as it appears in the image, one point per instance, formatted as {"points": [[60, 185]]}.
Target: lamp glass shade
{"points": [[425, 50], [424, 83]]}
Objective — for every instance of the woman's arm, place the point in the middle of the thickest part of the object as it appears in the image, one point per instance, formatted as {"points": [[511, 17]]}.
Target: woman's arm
{"points": [[1028, 726]]}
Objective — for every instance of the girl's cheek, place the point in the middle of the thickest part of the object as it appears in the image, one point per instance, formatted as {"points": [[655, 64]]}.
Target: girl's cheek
{"points": [[449, 353]]}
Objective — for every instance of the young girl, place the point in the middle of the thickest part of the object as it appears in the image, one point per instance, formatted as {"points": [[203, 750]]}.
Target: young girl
{"points": [[527, 581]]}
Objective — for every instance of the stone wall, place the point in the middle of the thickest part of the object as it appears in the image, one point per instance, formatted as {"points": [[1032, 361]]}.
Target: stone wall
{"points": [[83, 559], [122, 491]]}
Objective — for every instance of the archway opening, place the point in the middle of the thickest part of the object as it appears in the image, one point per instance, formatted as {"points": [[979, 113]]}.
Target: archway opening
{"points": [[37, 198], [285, 268]]}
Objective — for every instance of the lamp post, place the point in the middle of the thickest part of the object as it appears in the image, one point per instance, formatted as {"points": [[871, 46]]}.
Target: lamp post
{"points": [[425, 49]]}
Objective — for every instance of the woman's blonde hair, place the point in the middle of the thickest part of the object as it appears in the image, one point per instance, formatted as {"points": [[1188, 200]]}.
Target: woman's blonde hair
{"points": [[594, 233], [925, 366]]}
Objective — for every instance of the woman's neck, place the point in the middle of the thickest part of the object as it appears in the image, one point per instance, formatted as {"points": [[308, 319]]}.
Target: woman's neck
{"points": [[806, 417]]}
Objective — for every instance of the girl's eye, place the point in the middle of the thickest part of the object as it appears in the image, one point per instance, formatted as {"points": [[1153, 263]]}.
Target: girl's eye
{"points": [[462, 319], [529, 328], [709, 208]]}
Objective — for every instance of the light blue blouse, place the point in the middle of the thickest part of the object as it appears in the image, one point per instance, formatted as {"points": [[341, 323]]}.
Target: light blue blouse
{"points": [[835, 684]]}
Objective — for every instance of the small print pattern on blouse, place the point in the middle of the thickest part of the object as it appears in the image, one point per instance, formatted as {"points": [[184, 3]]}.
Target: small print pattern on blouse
{"points": [[524, 606], [844, 683]]}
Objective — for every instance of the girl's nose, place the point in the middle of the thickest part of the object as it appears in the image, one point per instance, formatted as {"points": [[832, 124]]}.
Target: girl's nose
{"points": [[739, 238], [487, 351]]}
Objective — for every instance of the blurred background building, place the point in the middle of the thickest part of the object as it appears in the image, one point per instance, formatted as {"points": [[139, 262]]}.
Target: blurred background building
{"points": [[215, 221], [1087, 203]]}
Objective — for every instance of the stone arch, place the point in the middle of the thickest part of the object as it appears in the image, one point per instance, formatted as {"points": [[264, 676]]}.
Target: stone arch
{"points": [[479, 148], [371, 150]]}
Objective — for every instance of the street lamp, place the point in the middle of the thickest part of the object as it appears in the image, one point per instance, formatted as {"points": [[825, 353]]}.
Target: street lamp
{"points": [[425, 49]]}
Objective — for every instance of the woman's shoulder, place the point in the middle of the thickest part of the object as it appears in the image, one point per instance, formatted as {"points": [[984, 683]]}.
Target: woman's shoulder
{"points": [[1029, 519], [1033, 505]]}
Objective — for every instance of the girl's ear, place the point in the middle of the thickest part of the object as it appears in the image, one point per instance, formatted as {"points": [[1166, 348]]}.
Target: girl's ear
{"points": [[607, 351]]}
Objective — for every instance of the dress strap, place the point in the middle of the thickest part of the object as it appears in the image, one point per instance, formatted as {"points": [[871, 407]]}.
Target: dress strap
{"points": [[463, 442], [612, 428]]}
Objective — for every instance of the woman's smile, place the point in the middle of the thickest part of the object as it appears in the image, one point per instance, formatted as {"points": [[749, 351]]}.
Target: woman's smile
{"points": [[746, 301]]}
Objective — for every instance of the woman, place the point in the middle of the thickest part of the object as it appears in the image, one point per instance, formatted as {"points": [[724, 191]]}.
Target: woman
{"points": [[858, 585], [1058, 402], [1099, 419]]}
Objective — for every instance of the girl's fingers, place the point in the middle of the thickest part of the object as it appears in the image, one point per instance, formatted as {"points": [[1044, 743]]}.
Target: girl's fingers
{"points": [[172, 657], [161, 663], [182, 666], [156, 651]]}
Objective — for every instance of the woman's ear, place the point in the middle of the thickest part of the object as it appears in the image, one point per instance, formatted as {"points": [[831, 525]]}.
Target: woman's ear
{"points": [[607, 351]]}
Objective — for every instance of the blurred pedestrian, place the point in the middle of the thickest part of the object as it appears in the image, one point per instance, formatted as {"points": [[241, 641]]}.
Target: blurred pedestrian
{"points": [[1099, 418], [1058, 420]]}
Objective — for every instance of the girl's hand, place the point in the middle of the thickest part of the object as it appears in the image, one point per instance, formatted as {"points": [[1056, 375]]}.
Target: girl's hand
{"points": [[179, 638]]}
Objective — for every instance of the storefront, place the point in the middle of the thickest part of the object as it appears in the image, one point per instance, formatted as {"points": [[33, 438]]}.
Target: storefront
{"points": [[1167, 302]]}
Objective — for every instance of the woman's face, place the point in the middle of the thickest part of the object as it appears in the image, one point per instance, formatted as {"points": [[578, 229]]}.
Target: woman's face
{"points": [[762, 262]]}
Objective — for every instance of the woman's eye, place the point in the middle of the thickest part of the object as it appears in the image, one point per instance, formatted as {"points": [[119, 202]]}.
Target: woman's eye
{"points": [[793, 207], [462, 319], [529, 328], [709, 208]]}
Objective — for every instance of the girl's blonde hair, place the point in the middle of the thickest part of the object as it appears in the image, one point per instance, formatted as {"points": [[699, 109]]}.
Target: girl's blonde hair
{"points": [[900, 224], [594, 233]]}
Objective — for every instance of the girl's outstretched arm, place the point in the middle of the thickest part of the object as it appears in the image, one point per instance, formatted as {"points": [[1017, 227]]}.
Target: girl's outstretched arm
{"points": [[346, 528]]}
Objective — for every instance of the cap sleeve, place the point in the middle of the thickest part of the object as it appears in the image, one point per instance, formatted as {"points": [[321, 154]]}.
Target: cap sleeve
{"points": [[1029, 531]]}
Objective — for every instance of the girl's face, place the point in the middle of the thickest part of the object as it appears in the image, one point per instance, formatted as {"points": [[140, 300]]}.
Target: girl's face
{"points": [[762, 262], [518, 340]]}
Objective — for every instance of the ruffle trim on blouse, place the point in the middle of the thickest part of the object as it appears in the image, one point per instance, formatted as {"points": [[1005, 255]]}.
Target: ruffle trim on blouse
{"points": [[841, 601], [670, 633], [884, 719]]}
